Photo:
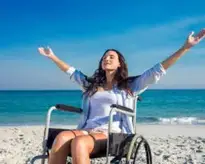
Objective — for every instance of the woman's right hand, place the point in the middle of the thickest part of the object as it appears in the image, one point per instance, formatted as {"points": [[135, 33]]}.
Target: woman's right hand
{"points": [[46, 52]]}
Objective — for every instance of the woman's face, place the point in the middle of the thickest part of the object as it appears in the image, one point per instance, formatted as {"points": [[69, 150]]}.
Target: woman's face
{"points": [[110, 61]]}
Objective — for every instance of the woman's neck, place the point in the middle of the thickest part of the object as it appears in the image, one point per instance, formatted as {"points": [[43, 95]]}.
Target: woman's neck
{"points": [[110, 79]]}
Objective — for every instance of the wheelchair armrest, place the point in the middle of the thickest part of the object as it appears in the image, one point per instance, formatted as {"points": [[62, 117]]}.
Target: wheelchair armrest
{"points": [[68, 108], [121, 107]]}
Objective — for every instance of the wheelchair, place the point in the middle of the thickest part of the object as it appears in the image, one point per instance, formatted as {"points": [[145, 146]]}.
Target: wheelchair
{"points": [[121, 147]]}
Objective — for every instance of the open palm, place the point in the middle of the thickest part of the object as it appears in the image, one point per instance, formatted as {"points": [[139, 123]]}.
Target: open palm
{"points": [[193, 40], [46, 52]]}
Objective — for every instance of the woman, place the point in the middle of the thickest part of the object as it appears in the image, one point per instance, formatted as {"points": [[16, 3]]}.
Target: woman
{"points": [[110, 84]]}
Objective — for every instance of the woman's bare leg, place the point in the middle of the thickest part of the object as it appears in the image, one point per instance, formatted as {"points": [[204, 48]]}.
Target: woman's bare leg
{"points": [[83, 146], [61, 146]]}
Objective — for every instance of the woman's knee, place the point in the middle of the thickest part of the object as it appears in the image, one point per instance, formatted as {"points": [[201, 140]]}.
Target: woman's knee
{"points": [[82, 144], [63, 139]]}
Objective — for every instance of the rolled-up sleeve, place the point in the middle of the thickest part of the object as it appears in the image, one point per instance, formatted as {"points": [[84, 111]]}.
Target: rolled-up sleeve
{"points": [[70, 71], [77, 77], [151, 76]]}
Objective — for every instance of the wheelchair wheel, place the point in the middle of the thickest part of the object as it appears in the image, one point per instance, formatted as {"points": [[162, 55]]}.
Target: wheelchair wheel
{"points": [[133, 151]]}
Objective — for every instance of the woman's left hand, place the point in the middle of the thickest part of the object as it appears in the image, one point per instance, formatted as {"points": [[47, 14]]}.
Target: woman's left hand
{"points": [[193, 40]]}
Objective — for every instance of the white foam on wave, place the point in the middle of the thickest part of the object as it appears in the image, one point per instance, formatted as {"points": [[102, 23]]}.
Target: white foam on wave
{"points": [[182, 120]]}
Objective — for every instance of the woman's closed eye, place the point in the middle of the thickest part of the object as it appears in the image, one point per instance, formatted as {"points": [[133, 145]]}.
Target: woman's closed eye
{"points": [[109, 57]]}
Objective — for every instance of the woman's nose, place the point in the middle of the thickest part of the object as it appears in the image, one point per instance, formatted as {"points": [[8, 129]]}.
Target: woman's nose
{"points": [[107, 58]]}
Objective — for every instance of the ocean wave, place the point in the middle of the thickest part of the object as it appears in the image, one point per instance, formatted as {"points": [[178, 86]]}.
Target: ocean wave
{"points": [[173, 120], [183, 120]]}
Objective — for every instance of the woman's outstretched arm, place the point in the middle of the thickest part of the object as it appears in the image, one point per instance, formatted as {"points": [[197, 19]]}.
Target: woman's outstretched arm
{"points": [[49, 53], [75, 75], [190, 42], [153, 74]]}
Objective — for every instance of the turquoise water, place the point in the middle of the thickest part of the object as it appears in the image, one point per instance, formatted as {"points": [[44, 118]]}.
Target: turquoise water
{"points": [[157, 107]]}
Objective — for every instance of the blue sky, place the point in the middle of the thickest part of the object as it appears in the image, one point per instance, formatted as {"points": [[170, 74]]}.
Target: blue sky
{"points": [[146, 32]]}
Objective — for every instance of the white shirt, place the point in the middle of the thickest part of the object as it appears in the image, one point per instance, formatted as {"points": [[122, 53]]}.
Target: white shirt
{"points": [[100, 109], [138, 86]]}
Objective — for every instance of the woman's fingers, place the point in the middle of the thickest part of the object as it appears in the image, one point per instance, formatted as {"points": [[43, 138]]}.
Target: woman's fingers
{"points": [[201, 34], [195, 39], [40, 50], [191, 34], [43, 51]]}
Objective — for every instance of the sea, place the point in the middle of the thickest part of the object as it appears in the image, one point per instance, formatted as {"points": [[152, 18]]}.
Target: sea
{"points": [[158, 106]]}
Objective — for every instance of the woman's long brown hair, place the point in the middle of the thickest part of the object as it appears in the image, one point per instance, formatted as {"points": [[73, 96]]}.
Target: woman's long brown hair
{"points": [[121, 76]]}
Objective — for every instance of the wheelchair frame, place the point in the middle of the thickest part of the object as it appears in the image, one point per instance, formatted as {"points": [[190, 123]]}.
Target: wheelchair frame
{"points": [[114, 108]]}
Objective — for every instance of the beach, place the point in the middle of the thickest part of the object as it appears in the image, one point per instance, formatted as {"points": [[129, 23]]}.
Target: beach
{"points": [[170, 144], [173, 122]]}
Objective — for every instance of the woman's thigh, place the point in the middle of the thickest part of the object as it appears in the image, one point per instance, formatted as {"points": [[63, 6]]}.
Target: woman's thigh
{"points": [[94, 142], [64, 137], [77, 132], [100, 143]]}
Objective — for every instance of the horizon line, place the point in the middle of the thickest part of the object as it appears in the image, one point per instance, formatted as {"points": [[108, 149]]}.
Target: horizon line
{"points": [[80, 90]]}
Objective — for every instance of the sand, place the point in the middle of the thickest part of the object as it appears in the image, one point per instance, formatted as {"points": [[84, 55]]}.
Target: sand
{"points": [[170, 144]]}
